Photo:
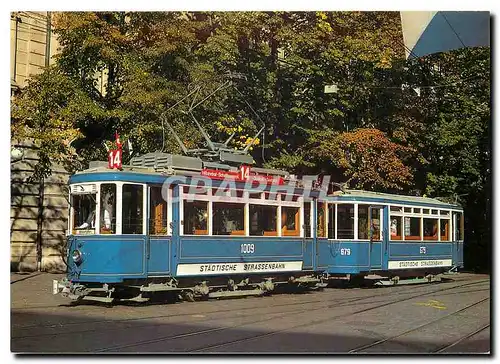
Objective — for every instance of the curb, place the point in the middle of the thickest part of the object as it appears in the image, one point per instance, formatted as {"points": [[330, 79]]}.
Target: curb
{"points": [[27, 277]]}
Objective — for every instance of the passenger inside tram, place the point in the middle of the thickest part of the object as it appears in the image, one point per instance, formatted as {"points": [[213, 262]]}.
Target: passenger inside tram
{"points": [[89, 222]]}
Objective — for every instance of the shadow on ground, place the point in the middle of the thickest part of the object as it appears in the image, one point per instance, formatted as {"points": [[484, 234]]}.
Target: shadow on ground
{"points": [[69, 333]]}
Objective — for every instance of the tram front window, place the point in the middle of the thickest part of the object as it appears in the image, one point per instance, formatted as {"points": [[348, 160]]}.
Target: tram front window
{"points": [[84, 207], [108, 209]]}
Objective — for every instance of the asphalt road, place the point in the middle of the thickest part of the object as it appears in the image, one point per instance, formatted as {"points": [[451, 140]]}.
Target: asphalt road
{"points": [[446, 317]]}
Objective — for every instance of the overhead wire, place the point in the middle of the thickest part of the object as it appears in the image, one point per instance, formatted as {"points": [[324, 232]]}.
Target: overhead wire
{"points": [[264, 124], [453, 29], [451, 84], [411, 53]]}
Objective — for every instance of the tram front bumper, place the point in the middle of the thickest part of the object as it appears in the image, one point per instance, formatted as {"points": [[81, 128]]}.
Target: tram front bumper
{"points": [[62, 286]]}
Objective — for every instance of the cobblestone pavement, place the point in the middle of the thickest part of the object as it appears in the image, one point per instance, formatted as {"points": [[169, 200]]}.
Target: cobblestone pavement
{"points": [[446, 317]]}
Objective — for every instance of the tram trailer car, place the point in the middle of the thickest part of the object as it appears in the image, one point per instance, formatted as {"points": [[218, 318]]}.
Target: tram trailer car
{"points": [[130, 236], [368, 234]]}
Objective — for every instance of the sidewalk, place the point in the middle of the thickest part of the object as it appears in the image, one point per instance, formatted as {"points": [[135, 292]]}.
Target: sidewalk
{"points": [[21, 276], [31, 290]]}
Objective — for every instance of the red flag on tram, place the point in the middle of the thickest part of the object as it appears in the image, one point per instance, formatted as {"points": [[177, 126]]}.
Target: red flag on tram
{"points": [[115, 155], [118, 143]]}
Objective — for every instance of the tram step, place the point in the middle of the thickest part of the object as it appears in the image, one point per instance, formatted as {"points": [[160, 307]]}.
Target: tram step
{"points": [[253, 292], [157, 287], [93, 298], [408, 281]]}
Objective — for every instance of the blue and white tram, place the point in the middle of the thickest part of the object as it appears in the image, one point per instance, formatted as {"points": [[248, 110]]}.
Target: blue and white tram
{"points": [[138, 231], [367, 233], [190, 231]]}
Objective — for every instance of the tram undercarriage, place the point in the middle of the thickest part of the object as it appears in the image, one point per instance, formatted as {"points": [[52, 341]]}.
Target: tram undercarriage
{"points": [[187, 289]]}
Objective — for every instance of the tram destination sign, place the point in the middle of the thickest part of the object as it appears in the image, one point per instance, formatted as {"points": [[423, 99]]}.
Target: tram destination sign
{"points": [[249, 267], [244, 174], [406, 264]]}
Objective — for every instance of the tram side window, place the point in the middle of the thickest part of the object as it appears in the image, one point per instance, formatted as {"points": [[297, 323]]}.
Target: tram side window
{"points": [[396, 228], [157, 213], [83, 214], [321, 223], [345, 218], [195, 217], [256, 195], [365, 225], [226, 192], [263, 220], [363, 222], [445, 228], [412, 228], [198, 189], [270, 196], [331, 221], [290, 221], [430, 229], [108, 209], [307, 219], [228, 219], [132, 209], [375, 223]]}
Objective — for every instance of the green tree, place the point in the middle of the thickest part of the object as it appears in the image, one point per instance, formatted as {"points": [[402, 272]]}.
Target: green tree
{"points": [[49, 112], [458, 144]]}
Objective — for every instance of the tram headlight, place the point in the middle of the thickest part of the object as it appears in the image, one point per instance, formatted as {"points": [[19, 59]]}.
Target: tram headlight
{"points": [[76, 256]]}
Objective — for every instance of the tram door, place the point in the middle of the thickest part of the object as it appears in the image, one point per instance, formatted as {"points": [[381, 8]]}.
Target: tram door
{"points": [[457, 246], [376, 236]]}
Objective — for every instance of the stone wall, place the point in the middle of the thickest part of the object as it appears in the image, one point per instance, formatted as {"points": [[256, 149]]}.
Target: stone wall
{"points": [[38, 216]]}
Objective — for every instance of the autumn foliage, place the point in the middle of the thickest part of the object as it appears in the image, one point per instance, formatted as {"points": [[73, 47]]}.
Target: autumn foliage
{"points": [[368, 158]]}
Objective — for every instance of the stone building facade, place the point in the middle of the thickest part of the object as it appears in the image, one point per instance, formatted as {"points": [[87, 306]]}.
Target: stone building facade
{"points": [[39, 210]]}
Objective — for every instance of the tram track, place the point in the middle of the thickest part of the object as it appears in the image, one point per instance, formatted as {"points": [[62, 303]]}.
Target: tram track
{"points": [[97, 305], [120, 304], [322, 321], [462, 339], [228, 327], [190, 314], [100, 305], [326, 304], [379, 342]]}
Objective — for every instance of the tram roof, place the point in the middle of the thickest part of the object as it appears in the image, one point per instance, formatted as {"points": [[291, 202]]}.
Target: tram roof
{"points": [[358, 195], [144, 175], [149, 175]]}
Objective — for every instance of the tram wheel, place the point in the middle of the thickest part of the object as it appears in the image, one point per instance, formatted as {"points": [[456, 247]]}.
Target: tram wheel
{"points": [[188, 296]]}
